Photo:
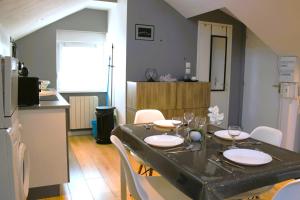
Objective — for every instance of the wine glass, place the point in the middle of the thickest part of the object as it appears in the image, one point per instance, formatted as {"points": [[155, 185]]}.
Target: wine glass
{"points": [[188, 117], [234, 131], [177, 122], [200, 122]]}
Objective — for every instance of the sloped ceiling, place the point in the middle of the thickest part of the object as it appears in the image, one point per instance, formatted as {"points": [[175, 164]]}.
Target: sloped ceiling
{"points": [[276, 22], [21, 17]]}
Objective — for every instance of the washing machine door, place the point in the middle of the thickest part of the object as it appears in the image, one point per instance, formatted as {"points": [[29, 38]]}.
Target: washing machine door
{"points": [[23, 170]]}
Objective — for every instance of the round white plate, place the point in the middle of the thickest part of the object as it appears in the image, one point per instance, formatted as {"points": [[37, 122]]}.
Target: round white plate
{"points": [[163, 140], [224, 135], [164, 123], [247, 156]]}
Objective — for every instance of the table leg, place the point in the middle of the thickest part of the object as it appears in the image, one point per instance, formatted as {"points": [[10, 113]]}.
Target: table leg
{"points": [[123, 183]]}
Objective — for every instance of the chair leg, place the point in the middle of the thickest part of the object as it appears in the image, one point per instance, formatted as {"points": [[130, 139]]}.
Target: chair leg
{"points": [[145, 171], [253, 197], [140, 169], [150, 172]]}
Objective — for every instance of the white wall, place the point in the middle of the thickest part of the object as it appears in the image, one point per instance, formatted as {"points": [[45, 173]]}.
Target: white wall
{"points": [[117, 33], [261, 99], [5, 49]]}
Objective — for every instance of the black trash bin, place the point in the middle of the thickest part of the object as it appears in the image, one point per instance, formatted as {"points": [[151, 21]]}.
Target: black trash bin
{"points": [[105, 123]]}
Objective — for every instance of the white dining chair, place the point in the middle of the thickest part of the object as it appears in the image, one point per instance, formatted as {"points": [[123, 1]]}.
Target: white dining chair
{"points": [[147, 116], [145, 187], [289, 191], [142, 117], [267, 134]]}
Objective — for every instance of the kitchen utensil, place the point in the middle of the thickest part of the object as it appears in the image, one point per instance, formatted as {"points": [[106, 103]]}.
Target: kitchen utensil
{"points": [[219, 165]]}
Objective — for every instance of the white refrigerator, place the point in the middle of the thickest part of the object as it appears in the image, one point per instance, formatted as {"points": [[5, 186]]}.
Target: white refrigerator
{"points": [[14, 158]]}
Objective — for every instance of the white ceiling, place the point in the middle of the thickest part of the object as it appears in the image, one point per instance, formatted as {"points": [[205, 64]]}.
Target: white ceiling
{"points": [[21, 17], [276, 22]]}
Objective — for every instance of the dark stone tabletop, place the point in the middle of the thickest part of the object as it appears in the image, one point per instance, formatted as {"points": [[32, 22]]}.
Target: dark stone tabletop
{"points": [[193, 174]]}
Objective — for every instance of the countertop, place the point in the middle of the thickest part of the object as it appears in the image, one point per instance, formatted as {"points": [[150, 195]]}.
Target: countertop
{"points": [[60, 103]]}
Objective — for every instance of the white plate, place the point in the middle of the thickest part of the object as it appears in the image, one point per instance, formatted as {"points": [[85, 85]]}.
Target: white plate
{"points": [[164, 123], [163, 140], [224, 135], [247, 156]]}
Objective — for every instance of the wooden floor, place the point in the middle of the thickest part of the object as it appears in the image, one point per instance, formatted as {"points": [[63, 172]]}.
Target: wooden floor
{"points": [[94, 172]]}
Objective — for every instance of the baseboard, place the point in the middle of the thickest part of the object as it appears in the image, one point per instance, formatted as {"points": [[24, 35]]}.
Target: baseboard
{"points": [[80, 132]]}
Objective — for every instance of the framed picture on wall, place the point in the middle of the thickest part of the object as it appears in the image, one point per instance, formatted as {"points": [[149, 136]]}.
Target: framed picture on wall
{"points": [[144, 32]]}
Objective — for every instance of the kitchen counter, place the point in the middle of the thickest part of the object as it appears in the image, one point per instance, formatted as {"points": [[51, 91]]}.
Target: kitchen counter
{"points": [[59, 103], [44, 132]]}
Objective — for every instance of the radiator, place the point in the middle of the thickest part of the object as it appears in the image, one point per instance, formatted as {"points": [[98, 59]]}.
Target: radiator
{"points": [[82, 111]]}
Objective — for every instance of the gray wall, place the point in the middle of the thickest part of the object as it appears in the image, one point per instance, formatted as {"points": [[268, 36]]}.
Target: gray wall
{"points": [[237, 61], [38, 49], [175, 38]]}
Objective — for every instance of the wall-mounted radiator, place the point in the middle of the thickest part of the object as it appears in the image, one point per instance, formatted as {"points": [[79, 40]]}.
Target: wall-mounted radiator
{"points": [[82, 111]]}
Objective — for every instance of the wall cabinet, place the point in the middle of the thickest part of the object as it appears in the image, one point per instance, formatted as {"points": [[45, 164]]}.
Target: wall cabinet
{"points": [[171, 98]]}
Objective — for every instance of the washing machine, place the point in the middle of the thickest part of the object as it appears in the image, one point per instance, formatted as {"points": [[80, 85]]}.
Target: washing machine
{"points": [[14, 165], [23, 166]]}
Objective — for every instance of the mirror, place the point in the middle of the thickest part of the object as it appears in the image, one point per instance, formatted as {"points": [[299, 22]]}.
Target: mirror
{"points": [[217, 72]]}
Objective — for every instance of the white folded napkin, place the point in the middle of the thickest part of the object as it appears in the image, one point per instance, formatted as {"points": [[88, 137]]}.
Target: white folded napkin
{"points": [[214, 115]]}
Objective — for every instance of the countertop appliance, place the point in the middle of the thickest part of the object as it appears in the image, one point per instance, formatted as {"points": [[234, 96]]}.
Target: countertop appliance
{"points": [[28, 91], [14, 158]]}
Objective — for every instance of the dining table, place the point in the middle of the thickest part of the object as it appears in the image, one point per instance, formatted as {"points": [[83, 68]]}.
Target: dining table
{"points": [[200, 172]]}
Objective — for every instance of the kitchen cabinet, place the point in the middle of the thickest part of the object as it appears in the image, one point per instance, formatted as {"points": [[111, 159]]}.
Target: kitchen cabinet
{"points": [[44, 132], [171, 98]]}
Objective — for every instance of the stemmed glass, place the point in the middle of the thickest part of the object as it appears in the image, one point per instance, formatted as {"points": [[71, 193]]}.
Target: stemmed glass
{"points": [[234, 131], [188, 117], [200, 122], [177, 122]]}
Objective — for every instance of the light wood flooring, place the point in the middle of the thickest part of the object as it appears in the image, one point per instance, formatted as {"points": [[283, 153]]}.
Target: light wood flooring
{"points": [[95, 172]]}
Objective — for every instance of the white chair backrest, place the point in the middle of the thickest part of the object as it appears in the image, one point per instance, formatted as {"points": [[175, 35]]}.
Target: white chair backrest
{"points": [[289, 192], [147, 116], [134, 185], [268, 135]]}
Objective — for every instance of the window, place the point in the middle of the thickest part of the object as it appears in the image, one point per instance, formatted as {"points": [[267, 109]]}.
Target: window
{"points": [[80, 62]]}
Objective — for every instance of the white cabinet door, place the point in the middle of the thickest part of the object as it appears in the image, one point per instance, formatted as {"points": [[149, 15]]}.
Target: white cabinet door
{"points": [[44, 134], [203, 51], [205, 30]]}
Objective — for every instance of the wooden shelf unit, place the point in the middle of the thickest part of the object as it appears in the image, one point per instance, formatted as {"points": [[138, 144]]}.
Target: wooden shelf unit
{"points": [[171, 98]]}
